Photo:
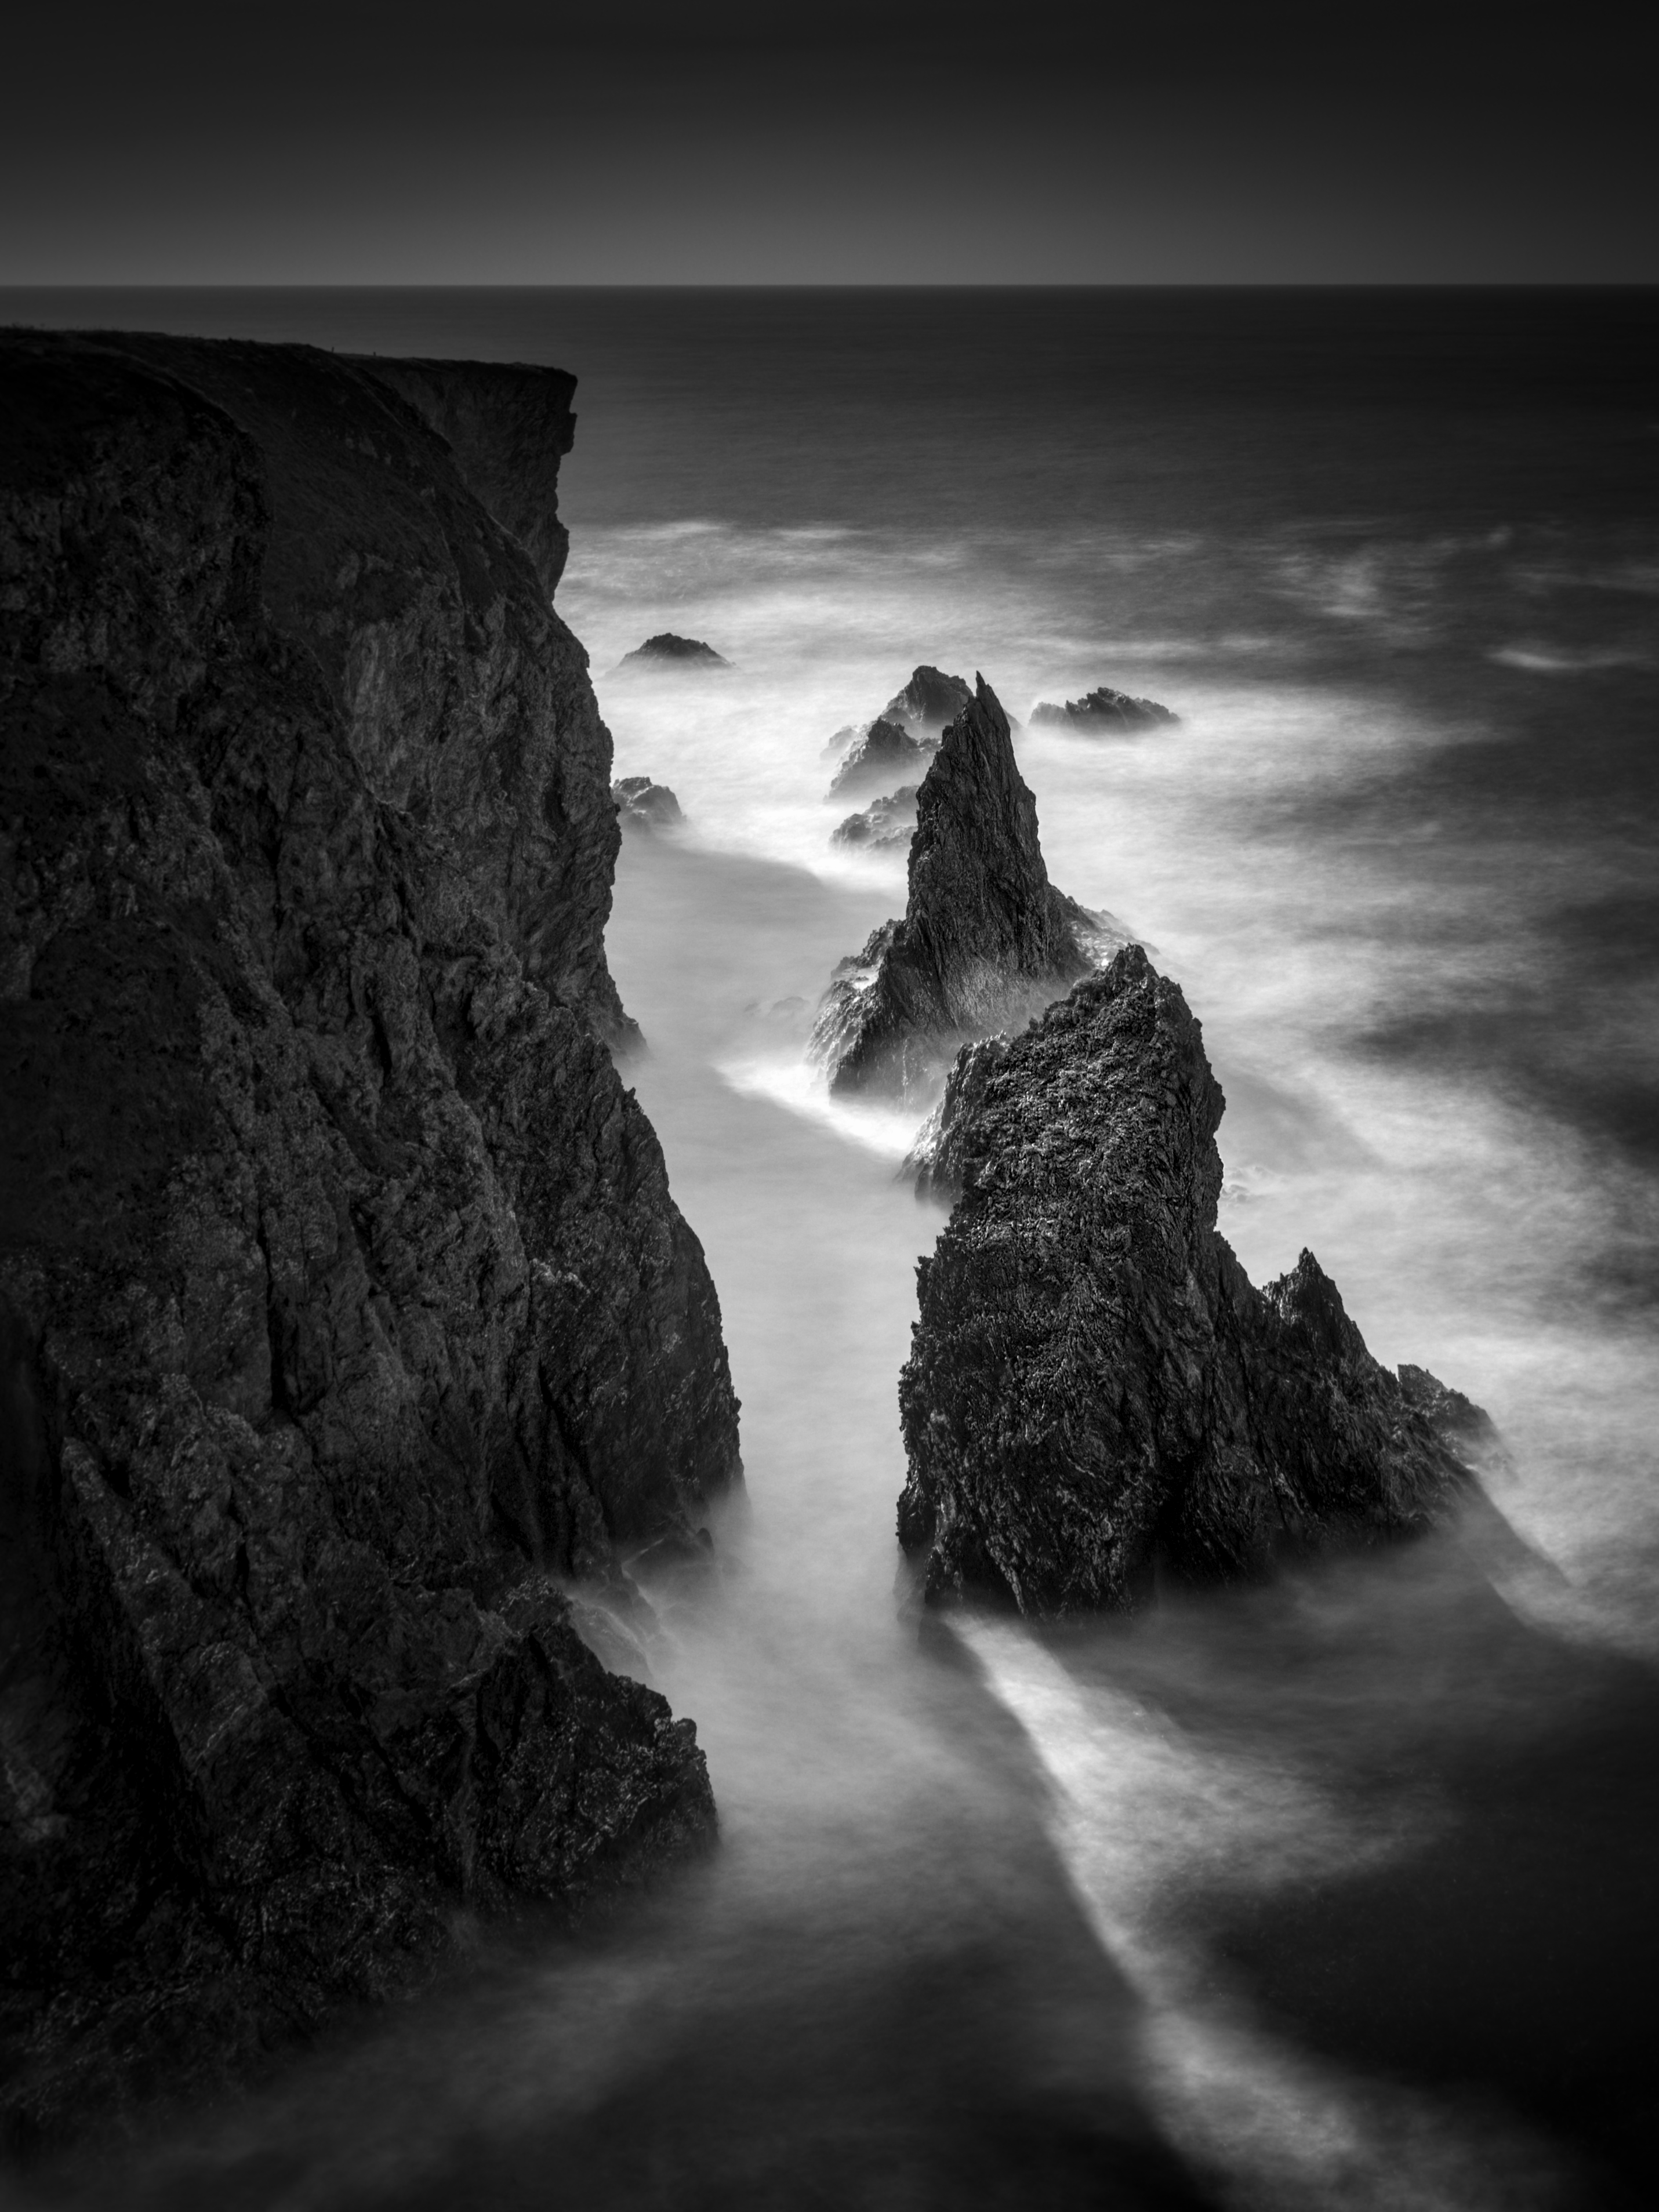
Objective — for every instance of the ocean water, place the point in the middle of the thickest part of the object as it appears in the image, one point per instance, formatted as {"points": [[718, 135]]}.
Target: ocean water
{"points": [[1342, 1892]]}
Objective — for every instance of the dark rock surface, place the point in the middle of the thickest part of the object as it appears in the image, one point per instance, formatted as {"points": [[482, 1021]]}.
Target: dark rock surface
{"points": [[667, 651], [343, 1305], [986, 940], [885, 823], [928, 700], [644, 806], [1097, 1393], [885, 752], [1101, 713], [508, 426]]}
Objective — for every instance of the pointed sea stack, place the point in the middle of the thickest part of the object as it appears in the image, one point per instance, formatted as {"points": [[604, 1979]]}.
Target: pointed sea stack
{"points": [[1097, 1393], [986, 940]]}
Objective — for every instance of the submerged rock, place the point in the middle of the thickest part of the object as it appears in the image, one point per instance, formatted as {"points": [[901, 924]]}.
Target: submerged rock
{"points": [[882, 752], [344, 1311], [1101, 711], [986, 940], [667, 651], [1097, 1393], [928, 700], [885, 823], [644, 806]]}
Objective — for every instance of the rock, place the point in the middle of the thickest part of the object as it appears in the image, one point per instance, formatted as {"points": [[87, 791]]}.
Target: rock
{"points": [[1096, 1394], [508, 427], [883, 752], [986, 940], [344, 1311], [1103, 713], [885, 823], [644, 806], [918, 714], [667, 651], [928, 700]]}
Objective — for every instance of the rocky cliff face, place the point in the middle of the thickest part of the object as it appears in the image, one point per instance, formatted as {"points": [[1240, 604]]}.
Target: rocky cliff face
{"points": [[986, 940], [1097, 1393], [343, 1307], [508, 427]]}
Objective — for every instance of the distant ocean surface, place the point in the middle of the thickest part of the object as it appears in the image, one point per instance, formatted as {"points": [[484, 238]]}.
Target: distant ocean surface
{"points": [[1343, 1893]]}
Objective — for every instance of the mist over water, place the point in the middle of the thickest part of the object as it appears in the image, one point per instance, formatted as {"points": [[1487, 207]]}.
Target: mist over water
{"points": [[1336, 1893]]}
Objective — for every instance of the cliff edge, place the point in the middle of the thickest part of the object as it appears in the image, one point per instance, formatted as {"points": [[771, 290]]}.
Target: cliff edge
{"points": [[344, 1311]]}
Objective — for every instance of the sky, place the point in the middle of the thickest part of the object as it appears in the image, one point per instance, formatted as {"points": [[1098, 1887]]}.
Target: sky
{"points": [[503, 142]]}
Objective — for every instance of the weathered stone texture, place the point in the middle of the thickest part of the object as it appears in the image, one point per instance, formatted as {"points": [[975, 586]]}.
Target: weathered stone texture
{"points": [[1097, 1393], [345, 1308], [986, 941]]}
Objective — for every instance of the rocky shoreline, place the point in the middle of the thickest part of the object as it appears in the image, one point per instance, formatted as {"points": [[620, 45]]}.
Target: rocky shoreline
{"points": [[346, 1312]]}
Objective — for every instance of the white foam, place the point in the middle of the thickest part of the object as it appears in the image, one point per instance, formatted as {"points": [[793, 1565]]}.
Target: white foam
{"points": [[800, 1088], [1139, 1814]]}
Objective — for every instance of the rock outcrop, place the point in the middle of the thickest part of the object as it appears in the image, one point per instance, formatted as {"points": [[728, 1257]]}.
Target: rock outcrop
{"points": [[928, 700], [882, 824], [1096, 1394], [1103, 713], [343, 1308], [986, 941], [885, 752], [667, 651], [646, 807]]}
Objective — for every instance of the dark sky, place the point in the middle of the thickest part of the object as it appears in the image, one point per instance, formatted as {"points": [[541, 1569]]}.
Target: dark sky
{"points": [[501, 141]]}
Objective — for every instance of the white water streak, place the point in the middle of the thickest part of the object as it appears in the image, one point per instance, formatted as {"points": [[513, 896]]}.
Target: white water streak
{"points": [[1140, 1814]]}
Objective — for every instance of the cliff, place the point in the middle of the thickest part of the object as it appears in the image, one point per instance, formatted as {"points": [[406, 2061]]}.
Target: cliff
{"points": [[508, 427], [1096, 1394], [986, 940], [343, 1307]]}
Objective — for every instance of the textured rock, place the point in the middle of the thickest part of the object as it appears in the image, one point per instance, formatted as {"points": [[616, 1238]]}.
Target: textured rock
{"points": [[644, 806], [1097, 1393], [885, 823], [508, 427], [1104, 713], [884, 753], [986, 940], [928, 700], [343, 1308], [667, 651]]}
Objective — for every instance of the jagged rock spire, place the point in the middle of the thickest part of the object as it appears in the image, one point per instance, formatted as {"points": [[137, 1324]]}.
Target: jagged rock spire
{"points": [[986, 940]]}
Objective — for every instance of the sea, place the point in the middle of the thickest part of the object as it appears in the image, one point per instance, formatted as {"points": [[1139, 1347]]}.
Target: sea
{"points": [[1338, 1893]]}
